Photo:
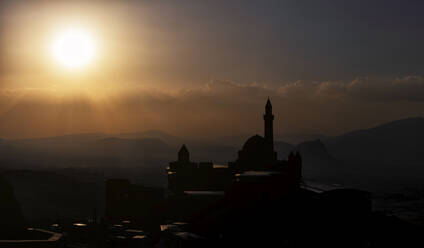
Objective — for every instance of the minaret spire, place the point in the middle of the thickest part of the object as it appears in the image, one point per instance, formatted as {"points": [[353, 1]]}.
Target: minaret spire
{"points": [[268, 121], [268, 107]]}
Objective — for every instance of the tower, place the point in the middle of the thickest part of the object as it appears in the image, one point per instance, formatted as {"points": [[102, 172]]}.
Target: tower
{"points": [[268, 120], [183, 154]]}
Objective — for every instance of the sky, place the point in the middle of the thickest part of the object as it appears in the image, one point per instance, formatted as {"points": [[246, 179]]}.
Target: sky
{"points": [[206, 68]]}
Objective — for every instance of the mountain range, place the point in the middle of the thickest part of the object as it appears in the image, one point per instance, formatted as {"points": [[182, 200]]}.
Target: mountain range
{"points": [[70, 170], [386, 153]]}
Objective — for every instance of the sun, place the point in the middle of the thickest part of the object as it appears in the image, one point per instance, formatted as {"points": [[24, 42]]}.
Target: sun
{"points": [[73, 48]]}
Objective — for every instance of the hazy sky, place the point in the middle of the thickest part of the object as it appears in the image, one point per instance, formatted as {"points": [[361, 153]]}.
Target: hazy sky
{"points": [[206, 67]]}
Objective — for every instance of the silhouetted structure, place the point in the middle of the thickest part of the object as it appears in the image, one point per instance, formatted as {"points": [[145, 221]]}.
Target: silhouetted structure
{"points": [[257, 154], [183, 155], [184, 175], [255, 201], [12, 219]]}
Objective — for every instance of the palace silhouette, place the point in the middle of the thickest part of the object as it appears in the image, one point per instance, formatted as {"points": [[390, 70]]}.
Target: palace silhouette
{"points": [[239, 204], [257, 157]]}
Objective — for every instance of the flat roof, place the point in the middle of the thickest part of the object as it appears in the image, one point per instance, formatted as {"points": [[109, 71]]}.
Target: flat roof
{"points": [[187, 235], [319, 187], [134, 231], [204, 192], [176, 226], [220, 166], [258, 173]]}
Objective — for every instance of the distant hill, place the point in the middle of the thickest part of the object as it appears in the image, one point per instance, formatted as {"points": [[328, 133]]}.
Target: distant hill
{"points": [[314, 150], [317, 163], [66, 137], [388, 155], [297, 138], [148, 156], [400, 141], [283, 149], [166, 137]]}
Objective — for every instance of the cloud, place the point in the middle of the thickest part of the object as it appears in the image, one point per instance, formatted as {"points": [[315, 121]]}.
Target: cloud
{"points": [[409, 88], [220, 107]]}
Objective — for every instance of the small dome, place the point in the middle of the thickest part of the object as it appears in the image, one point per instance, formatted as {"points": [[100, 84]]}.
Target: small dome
{"points": [[254, 143]]}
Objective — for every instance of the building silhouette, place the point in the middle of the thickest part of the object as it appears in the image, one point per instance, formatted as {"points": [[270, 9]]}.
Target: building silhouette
{"points": [[255, 201], [185, 175], [12, 219], [257, 154]]}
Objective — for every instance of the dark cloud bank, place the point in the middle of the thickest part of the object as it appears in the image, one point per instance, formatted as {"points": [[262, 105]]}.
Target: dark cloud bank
{"points": [[218, 108]]}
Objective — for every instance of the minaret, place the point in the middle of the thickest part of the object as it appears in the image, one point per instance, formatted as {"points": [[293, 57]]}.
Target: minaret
{"points": [[183, 154], [268, 119]]}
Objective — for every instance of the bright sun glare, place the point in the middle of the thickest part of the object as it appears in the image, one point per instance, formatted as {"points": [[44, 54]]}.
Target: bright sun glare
{"points": [[74, 48]]}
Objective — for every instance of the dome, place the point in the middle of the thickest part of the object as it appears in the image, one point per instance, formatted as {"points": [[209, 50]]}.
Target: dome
{"points": [[255, 143], [256, 154]]}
